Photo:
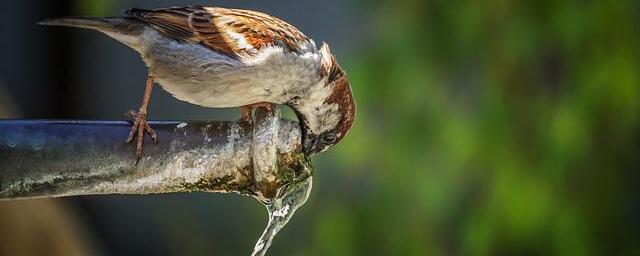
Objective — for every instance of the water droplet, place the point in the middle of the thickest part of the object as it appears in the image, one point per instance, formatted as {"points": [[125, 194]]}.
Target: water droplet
{"points": [[37, 144], [259, 246], [11, 143], [281, 212], [281, 209]]}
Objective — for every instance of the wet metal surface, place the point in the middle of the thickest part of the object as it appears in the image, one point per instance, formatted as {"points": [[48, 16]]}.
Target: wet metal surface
{"points": [[64, 158]]}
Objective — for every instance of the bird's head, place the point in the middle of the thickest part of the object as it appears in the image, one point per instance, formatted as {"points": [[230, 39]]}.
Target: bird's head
{"points": [[327, 111]]}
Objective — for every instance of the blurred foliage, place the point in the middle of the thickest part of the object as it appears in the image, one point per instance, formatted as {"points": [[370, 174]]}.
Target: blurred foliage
{"points": [[96, 7], [488, 128]]}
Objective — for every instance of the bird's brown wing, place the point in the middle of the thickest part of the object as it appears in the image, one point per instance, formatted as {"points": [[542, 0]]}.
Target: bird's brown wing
{"points": [[229, 31]]}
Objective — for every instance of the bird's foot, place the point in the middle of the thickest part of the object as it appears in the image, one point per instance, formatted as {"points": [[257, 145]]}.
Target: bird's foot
{"points": [[246, 115], [248, 109], [267, 105], [138, 129]]}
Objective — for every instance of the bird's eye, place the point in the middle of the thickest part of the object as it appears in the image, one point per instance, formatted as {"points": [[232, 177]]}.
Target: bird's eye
{"points": [[329, 139]]}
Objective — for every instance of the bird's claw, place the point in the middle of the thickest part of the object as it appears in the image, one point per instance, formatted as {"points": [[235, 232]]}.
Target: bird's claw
{"points": [[246, 117], [140, 125], [248, 109]]}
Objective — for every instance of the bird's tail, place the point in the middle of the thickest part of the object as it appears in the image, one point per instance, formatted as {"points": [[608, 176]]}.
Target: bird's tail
{"points": [[126, 30], [85, 22], [119, 25]]}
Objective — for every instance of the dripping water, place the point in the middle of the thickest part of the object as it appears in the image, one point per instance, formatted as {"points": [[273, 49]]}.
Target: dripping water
{"points": [[280, 211]]}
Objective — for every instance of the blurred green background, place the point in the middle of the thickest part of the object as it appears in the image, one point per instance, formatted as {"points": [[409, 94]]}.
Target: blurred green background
{"points": [[483, 128]]}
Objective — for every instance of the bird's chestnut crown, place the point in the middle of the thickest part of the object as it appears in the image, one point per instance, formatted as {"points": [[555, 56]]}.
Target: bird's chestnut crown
{"points": [[327, 114]]}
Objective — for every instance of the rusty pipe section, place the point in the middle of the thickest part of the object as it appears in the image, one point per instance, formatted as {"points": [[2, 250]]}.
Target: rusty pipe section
{"points": [[67, 158]]}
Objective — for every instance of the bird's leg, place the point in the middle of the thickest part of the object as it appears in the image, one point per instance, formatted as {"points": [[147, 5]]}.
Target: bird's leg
{"points": [[247, 109], [267, 105], [246, 114], [140, 124]]}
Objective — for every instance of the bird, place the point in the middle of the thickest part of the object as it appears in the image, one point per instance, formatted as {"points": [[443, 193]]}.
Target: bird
{"points": [[220, 57]]}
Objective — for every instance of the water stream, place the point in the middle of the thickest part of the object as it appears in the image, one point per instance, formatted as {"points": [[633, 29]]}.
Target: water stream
{"points": [[280, 211]]}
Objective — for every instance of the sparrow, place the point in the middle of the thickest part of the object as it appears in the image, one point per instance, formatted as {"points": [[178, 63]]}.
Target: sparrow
{"points": [[219, 58]]}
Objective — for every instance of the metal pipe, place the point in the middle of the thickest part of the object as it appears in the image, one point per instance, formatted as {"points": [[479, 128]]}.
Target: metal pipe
{"points": [[65, 158]]}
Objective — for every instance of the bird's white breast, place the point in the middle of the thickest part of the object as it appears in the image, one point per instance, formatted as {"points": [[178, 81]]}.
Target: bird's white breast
{"points": [[204, 77]]}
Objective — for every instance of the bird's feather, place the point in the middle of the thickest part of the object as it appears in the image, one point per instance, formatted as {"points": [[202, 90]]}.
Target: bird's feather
{"points": [[232, 32]]}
